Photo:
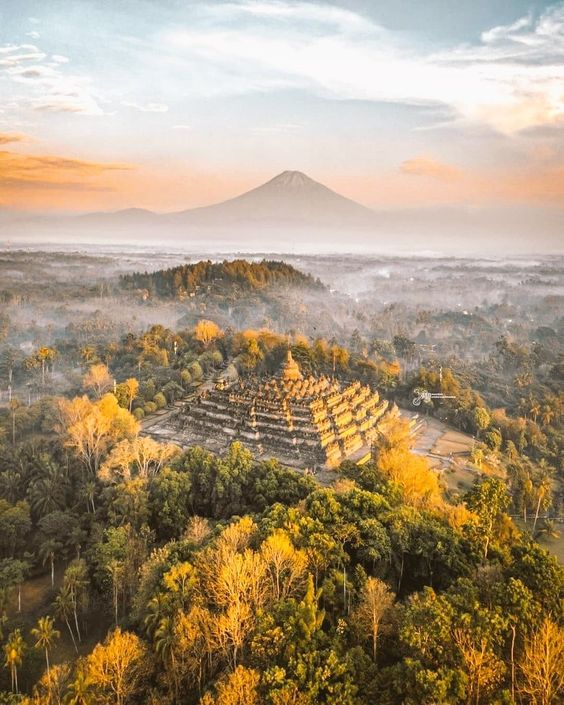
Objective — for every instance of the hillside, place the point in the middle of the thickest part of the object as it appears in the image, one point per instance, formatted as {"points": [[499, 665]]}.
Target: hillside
{"points": [[177, 282]]}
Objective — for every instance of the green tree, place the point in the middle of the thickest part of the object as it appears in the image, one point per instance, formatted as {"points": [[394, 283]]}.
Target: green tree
{"points": [[63, 606], [15, 525], [488, 499], [75, 583], [481, 419], [13, 572]]}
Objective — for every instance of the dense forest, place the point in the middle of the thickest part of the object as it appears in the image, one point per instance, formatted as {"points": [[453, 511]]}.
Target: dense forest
{"points": [[183, 577], [136, 572], [187, 279]]}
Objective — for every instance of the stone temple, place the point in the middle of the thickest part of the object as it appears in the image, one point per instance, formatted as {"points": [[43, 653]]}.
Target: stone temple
{"points": [[307, 422]]}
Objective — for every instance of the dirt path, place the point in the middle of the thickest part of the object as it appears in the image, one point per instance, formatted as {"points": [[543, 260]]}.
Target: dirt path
{"points": [[447, 450]]}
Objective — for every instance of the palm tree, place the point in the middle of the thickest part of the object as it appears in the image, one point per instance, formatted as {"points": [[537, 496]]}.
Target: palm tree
{"points": [[88, 493], [47, 492], [63, 610], [14, 404], [14, 651], [164, 640], [548, 529], [534, 409], [79, 692], [157, 608], [47, 551], [45, 355], [45, 635], [10, 484], [524, 405], [547, 415], [543, 491], [528, 492], [75, 582]]}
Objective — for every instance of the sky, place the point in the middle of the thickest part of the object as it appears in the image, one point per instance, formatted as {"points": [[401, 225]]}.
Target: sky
{"points": [[166, 105]]}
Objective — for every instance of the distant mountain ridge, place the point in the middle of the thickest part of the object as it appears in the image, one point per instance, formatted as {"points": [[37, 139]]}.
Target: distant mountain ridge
{"points": [[292, 212], [292, 197]]}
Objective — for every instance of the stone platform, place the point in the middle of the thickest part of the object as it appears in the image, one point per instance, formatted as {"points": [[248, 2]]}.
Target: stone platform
{"points": [[305, 422]]}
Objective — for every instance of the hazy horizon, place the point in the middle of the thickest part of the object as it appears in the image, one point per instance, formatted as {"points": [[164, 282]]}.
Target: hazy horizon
{"points": [[442, 118]]}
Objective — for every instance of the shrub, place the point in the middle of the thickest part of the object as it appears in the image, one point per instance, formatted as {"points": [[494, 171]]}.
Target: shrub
{"points": [[160, 400], [196, 371]]}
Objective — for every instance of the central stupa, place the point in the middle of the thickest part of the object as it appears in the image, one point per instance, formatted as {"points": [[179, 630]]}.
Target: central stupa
{"points": [[304, 421]]}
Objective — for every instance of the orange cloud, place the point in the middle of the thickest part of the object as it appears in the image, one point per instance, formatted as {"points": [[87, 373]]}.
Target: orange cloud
{"points": [[8, 138], [538, 184], [24, 172], [51, 183], [426, 166]]}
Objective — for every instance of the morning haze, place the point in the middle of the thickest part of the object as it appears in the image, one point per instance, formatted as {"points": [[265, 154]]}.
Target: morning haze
{"points": [[281, 352]]}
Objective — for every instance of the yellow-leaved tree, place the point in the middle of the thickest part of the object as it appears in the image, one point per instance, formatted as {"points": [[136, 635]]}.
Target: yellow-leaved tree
{"points": [[419, 484], [136, 457], [206, 331], [238, 688], [98, 379], [542, 665], [375, 603], [286, 565], [117, 667], [126, 392], [92, 428]]}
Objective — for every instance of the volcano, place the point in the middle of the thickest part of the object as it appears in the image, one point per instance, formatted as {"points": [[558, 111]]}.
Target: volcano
{"points": [[290, 197]]}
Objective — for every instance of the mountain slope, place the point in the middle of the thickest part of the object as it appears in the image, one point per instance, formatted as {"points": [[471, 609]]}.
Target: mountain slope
{"points": [[289, 197]]}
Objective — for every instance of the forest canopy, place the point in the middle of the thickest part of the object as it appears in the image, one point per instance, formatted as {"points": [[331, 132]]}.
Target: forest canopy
{"points": [[188, 278]]}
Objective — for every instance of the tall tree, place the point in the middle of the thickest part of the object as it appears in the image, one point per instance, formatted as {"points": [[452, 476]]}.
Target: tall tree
{"points": [[542, 665], [99, 380], [91, 428], [488, 499], [45, 636], [375, 601], [13, 651], [63, 606]]}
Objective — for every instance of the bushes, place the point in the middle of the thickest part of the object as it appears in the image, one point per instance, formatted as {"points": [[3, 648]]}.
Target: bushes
{"points": [[160, 400], [196, 371]]}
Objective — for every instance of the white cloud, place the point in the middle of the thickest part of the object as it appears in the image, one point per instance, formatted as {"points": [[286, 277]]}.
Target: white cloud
{"points": [[147, 107], [50, 88], [511, 80], [182, 127]]}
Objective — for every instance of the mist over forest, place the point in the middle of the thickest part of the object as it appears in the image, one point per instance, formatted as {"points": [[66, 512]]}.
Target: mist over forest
{"points": [[108, 512]]}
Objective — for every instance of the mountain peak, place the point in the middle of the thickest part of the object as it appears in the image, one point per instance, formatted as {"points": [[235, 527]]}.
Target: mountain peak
{"points": [[292, 178]]}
